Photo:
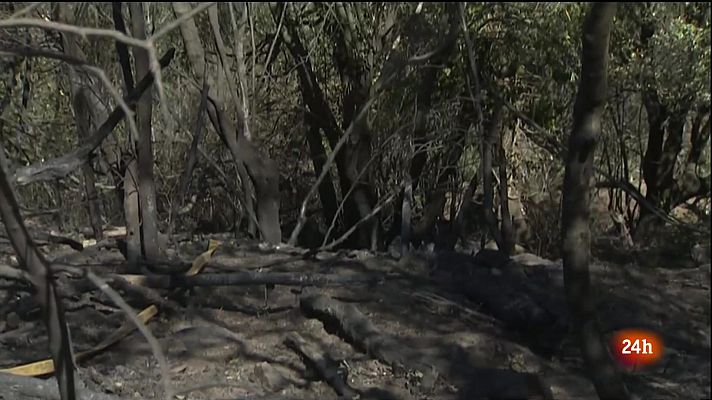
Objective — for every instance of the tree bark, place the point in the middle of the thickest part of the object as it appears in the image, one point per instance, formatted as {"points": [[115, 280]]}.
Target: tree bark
{"points": [[144, 111], [132, 215], [131, 199], [590, 101]]}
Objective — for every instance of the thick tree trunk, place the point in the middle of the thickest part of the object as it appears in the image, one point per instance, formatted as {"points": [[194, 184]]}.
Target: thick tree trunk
{"points": [[588, 108], [144, 111]]}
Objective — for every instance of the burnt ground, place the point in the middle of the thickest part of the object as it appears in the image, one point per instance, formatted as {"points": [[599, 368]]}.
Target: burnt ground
{"points": [[422, 336]]}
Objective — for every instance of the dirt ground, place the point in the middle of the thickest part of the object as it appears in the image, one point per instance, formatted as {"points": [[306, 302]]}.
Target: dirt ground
{"points": [[229, 342]]}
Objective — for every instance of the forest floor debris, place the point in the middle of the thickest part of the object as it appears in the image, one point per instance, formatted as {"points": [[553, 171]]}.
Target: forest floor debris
{"points": [[404, 335]]}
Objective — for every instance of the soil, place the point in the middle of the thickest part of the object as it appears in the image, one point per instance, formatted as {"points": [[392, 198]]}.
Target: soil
{"points": [[229, 342]]}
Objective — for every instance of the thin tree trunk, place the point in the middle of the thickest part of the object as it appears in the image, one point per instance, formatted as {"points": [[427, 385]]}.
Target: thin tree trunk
{"points": [[488, 144], [318, 113], [132, 215], [129, 183], [506, 225], [262, 170], [82, 116], [43, 280], [191, 161], [144, 111], [327, 193], [576, 234], [405, 212]]}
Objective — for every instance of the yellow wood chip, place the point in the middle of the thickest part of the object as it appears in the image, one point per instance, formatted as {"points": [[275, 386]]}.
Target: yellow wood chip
{"points": [[203, 259]]}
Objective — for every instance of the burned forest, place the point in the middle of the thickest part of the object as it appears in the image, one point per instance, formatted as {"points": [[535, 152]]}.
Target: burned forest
{"points": [[384, 201]]}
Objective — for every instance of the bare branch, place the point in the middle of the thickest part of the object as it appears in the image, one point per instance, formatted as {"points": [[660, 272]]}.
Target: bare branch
{"points": [[370, 215], [176, 23], [77, 30], [325, 171]]}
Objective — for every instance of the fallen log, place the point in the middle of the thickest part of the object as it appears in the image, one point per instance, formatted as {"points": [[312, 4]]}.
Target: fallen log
{"points": [[249, 278], [496, 282], [508, 302], [346, 320], [322, 364], [353, 326]]}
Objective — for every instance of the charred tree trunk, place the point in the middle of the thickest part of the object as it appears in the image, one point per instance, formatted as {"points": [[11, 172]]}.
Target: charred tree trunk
{"points": [[590, 101], [144, 109], [130, 182]]}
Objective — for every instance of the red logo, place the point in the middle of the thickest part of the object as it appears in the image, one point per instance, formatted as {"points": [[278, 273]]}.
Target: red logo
{"points": [[635, 348]]}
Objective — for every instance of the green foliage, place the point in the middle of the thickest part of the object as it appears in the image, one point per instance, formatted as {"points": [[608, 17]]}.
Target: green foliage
{"points": [[527, 52], [680, 49]]}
